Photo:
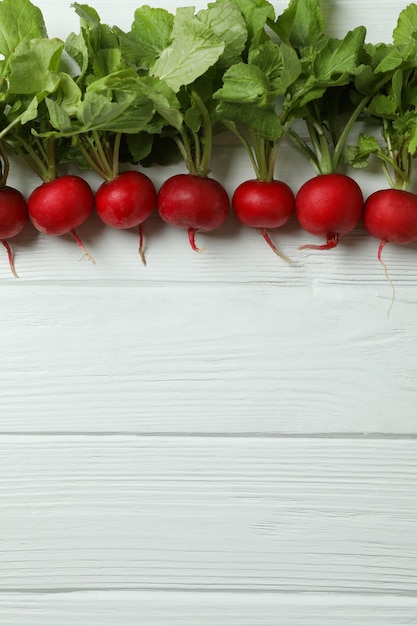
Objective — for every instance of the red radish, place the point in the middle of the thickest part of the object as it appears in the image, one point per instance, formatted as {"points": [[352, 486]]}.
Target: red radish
{"points": [[262, 205], [126, 201], [391, 216], [195, 203], [13, 218], [330, 206], [59, 206]]}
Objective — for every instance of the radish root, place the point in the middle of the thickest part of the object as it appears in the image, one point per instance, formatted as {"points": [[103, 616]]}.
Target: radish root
{"points": [[80, 243], [387, 276], [270, 243], [141, 251], [10, 257], [331, 243], [191, 239]]}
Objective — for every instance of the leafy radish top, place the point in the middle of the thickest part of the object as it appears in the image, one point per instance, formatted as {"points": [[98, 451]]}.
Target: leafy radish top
{"points": [[300, 73], [164, 88], [393, 107]]}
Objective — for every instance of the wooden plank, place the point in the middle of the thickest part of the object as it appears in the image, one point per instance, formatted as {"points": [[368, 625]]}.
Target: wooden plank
{"points": [[137, 608], [226, 513], [341, 17], [176, 358]]}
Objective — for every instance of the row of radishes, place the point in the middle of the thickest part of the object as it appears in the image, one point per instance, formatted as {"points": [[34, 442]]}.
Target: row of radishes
{"points": [[162, 90], [327, 206]]}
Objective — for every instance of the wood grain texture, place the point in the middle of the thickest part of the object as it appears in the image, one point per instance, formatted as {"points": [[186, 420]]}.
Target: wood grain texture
{"points": [[231, 514], [138, 608], [198, 359]]}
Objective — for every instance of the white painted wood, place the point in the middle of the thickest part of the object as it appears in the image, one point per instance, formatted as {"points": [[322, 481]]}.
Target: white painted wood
{"points": [[218, 438], [218, 514], [174, 358], [138, 608]]}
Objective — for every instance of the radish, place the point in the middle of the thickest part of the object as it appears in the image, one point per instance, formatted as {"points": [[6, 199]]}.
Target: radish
{"points": [[60, 205], [126, 201], [13, 218], [264, 204], [13, 209], [195, 203], [391, 216], [330, 206]]}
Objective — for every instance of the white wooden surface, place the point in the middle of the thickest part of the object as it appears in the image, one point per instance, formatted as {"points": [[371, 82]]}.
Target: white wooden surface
{"points": [[215, 439]]}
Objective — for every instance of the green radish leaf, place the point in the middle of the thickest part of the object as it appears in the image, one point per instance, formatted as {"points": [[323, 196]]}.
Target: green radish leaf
{"points": [[119, 80], [263, 122], [87, 48], [88, 14], [149, 35], [279, 63], [193, 118], [227, 22], [245, 84], [139, 145], [358, 156], [383, 106], [406, 28], [307, 92], [412, 142], [31, 110], [164, 99], [68, 95], [20, 21], [34, 66], [291, 67], [76, 47], [397, 89], [405, 129], [89, 29], [58, 117], [301, 24], [339, 57], [131, 115], [364, 79], [96, 34], [256, 14], [21, 113], [107, 61], [391, 59], [267, 57], [194, 49]]}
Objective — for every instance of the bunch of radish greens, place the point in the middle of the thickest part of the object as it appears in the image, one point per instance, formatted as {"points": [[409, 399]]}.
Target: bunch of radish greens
{"points": [[115, 102]]}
